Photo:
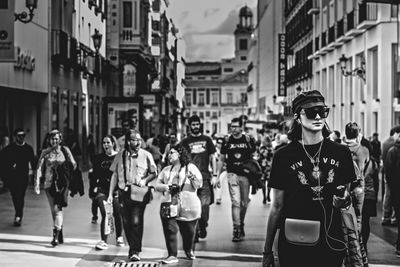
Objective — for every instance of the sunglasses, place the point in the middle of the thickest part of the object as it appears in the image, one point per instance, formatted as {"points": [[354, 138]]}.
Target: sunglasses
{"points": [[21, 135], [311, 113]]}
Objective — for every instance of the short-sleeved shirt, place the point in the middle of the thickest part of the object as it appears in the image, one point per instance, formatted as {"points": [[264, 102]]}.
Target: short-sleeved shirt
{"points": [[237, 151], [200, 149], [137, 166], [101, 171], [292, 172]]}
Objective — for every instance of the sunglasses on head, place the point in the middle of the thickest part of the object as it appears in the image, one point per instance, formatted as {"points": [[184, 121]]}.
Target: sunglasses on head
{"points": [[311, 113], [21, 135]]}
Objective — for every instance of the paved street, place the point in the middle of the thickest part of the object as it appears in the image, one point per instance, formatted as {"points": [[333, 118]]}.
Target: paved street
{"points": [[29, 245]]}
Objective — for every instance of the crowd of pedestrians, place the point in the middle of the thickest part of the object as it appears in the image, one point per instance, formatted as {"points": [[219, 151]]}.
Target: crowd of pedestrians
{"points": [[310, 175]]}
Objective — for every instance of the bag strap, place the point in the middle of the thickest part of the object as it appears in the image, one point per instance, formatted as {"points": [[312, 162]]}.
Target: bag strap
{"points": [[124, 164], [186, 174]]}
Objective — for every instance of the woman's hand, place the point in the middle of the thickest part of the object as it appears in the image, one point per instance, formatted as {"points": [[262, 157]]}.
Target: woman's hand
{"points": [[110, 199], [142, 183], [268, 259], [341, 199]]}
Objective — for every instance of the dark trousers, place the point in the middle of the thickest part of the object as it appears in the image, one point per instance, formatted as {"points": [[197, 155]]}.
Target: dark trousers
{"points": [[17, 191], [394, 187], [94, 208], [132, 217], [116, 214], [205, 194], [187, 229]]}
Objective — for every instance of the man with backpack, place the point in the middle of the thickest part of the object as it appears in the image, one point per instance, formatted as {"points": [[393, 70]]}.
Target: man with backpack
{"points": [[236, 150]]}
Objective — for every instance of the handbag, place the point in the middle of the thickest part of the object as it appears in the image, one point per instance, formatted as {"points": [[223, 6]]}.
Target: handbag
{"points": [[168, 210], [109, 219], [302, 232], [189, 205], [139, 193]]}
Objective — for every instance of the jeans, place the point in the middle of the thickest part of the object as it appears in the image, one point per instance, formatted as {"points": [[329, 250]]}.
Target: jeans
{"points": [[132, 217], [56, 212], [205, 194], [170, 229], [239, 188], [17, 191], [388, 211], [116, 214]]}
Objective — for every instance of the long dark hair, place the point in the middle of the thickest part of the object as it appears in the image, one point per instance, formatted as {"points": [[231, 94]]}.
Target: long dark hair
{"points": [[184, 156], [295, 130]]}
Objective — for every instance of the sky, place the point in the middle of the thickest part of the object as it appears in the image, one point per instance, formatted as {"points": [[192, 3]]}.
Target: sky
{"points": [[207, 26]]}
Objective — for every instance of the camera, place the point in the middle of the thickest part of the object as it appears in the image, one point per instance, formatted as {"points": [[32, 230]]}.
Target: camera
{"points": [[174, 189], [339, 192]]}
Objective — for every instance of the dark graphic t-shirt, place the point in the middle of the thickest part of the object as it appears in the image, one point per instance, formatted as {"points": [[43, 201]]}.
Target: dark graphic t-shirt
{"points": [[292, 172], [237, 151], [101, 172], [200, 149]]}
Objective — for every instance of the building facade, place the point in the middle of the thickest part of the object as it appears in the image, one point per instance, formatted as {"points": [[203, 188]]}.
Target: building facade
{"points": [[264, 102], [24, 84], [355, 63], [217, 91]]}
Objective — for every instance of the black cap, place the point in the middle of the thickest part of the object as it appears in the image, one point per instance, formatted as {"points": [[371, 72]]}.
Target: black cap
{"points": [[308, 99]]}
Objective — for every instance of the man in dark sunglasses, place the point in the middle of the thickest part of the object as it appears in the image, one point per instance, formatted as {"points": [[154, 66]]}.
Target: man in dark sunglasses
{"points": [[18, 155], [308, 177]]}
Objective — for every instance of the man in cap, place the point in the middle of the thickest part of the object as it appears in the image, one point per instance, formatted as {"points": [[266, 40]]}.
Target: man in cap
{"points": [[201, 149], [308, 180], [237, 149]]}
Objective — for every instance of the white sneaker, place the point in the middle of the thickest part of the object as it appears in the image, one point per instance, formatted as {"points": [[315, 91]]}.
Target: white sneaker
{"points": [[102, 245], [169, 260], [120, 241]]}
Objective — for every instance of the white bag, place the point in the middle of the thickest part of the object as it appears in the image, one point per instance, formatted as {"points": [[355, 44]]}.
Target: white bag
{"points": [[109, 220]]}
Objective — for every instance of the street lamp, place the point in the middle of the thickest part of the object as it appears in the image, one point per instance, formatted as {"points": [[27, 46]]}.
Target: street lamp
{"points": [[97, 37], [359, 71], [23, 16]]}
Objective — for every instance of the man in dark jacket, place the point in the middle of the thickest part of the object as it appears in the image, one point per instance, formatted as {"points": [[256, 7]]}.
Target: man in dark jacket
{"points": [[389, 216], [17, 157], [392, 170]]}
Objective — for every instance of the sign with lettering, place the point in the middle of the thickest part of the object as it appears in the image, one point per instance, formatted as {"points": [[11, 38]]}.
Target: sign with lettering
{"points": [[7, 31], [25, 60], [282, 65], [148, 99]]}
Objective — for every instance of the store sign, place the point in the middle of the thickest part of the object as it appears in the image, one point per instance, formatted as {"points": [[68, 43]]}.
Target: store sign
{"points": [[149, 99], [25, 60], [7, 31], [282, 65]]}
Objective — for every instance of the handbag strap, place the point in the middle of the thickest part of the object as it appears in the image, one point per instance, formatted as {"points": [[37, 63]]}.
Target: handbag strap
{"points": [[186, 174]]}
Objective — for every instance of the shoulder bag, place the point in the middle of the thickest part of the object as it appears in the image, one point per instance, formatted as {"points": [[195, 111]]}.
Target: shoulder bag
{"points": [[137, 193], [302, 232], [169, 209], [189, 205]]}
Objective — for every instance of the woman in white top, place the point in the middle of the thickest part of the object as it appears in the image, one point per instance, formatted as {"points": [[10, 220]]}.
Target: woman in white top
{"points": [[179, 182], [56, 164]]}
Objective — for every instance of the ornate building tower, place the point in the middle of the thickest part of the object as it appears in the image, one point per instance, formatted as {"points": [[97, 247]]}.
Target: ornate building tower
{"points": [[243, 34]]}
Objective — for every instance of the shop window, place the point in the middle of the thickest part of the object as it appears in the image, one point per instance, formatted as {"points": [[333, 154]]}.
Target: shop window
{"points": [[229, 98]]}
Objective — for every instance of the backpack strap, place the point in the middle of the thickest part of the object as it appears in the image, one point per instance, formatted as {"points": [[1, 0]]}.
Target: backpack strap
{"points": [[124, 164]]}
